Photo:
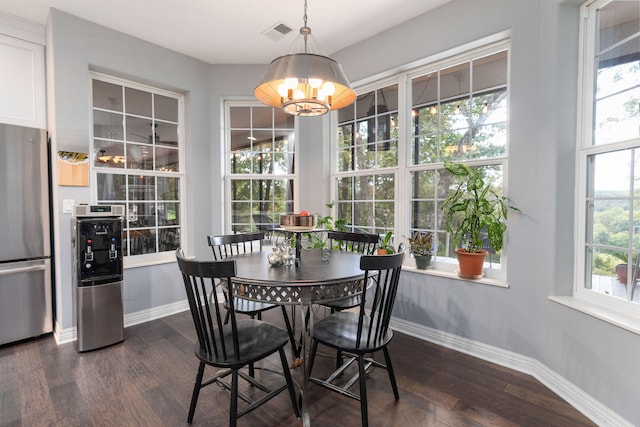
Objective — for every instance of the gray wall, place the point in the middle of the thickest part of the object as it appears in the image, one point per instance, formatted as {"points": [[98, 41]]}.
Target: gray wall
{"points": [[74, 47], [589, 353], [543, 87]]}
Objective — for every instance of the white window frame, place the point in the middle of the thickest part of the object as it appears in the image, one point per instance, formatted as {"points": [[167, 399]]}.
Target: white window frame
{"points": [[611, 309], [390, 170], [227, 224], [445, 267], [132, 261]]}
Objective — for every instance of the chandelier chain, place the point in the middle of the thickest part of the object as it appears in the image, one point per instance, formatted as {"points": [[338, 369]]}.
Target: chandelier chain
{"points": [[305, 13], [305, 31]]}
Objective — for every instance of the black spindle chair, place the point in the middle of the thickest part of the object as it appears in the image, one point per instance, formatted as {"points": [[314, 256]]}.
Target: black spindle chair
{"points": [[227, 245], [233, 345], [363, 243], [354, 335]]}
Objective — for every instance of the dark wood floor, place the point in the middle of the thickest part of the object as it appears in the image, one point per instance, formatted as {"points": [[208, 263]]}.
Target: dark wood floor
{"points": [[147, 381]]}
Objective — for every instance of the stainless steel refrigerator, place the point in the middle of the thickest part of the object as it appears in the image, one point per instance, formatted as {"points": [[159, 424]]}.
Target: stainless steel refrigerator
{"points": [[25, 243]]}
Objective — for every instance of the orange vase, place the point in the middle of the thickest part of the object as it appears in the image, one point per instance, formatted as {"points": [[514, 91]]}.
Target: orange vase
{"points": [[471, 263]]}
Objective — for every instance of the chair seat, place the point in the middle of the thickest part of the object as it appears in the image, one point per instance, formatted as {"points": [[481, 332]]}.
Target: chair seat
{"points": [[256, 340], [339, 330]]}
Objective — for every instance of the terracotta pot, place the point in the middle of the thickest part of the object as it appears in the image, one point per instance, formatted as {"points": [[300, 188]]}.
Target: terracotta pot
{"points": [[471, 264], [621, 272]]}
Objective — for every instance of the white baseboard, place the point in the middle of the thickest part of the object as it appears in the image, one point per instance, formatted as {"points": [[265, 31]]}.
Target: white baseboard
{"points": [[583, 402], [63, 336], [155, 313]]}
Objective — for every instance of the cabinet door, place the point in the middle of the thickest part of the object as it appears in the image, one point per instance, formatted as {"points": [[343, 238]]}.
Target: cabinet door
{"points": [[22, 83]]}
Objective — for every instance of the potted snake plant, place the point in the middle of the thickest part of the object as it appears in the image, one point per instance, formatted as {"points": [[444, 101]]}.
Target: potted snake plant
{"points": [[473, 208]]}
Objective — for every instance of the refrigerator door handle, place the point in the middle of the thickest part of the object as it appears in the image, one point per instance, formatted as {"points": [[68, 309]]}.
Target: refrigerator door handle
{"points": [[22, 270]]}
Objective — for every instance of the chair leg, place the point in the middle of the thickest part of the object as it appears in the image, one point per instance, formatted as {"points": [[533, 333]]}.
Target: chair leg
{"points": [[338, 359], [287, 376], [312, 354], [392, 377], [196, 392], [303, 328], [226, 317], [362, 379], [287, 323], [251, 368], [233, 408]]}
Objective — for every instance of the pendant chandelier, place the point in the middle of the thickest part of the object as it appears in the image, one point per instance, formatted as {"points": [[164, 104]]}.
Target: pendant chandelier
{"points": [[305, 83]]}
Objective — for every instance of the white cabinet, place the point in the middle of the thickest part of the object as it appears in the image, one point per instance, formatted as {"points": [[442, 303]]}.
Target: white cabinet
{"points": [[22, 83]]}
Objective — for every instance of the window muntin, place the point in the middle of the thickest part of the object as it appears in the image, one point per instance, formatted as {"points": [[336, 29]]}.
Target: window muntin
{"points": [[261, 177], [609, 154], [136, 161]]}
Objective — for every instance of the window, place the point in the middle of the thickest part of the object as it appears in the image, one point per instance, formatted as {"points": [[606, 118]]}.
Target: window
{"points": [[459, 113], [608, 154], [367, 161], [136, 155], [261, 166], [390, 159]]}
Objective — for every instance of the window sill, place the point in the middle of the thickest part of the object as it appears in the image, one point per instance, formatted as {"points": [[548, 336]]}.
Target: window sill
{"points": [[453, 275], [148, 260], [629, 322]]}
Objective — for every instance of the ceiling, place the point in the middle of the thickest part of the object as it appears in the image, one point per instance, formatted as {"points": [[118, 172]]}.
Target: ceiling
{"points": [[233, 31]]}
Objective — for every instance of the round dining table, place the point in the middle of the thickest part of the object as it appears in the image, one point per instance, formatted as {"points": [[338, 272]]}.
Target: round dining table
{"points": [[317, 277]]}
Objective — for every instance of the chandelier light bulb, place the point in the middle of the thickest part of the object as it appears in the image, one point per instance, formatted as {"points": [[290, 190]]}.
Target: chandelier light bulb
{"points": [[291, 83], [329, 88], [315, 83]]}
